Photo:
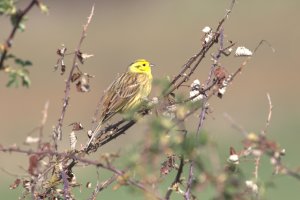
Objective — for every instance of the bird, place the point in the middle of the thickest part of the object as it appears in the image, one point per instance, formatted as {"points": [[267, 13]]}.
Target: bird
{"points": [[126, 92]]}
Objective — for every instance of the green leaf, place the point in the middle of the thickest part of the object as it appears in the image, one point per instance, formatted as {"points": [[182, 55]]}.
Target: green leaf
{"points": [[44, 8], [26, 82], [7, 7], [14, 20], [16, 75], [13, 80], [23, 63]]}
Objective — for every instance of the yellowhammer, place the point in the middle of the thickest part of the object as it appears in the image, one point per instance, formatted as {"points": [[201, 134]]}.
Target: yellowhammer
{"points": [[126, 92]]}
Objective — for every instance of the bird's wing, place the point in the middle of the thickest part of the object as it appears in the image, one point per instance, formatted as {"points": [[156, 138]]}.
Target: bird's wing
{"points": [[118, 94]]}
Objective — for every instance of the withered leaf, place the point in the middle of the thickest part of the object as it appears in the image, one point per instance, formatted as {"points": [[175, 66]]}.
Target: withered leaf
{"points": [[62, 67], [168, 165], [232, 151], [15, 184], [77, 126], [83, 85], [75, 76], [83, 56], [33, 164], [88, 185], [220, 73], [62, 51]]}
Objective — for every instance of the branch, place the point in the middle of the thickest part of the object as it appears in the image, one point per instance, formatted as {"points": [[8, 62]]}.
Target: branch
{"points": [[9, 40], [200, 55], [187, 194], [176, 180], [269, 115], [103, 185], [57, 133], [119, 173]]}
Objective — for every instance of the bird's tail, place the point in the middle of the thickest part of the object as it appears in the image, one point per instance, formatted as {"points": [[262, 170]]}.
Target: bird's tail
{"points": [[94, 134]]}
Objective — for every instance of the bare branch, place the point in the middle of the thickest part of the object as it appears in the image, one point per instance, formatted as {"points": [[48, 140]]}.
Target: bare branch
{"points": [[176, 180], [269, 115], [57, 133], [100, 186]]}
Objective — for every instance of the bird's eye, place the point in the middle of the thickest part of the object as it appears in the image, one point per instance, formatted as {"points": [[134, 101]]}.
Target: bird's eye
{"points": [[144, 64]]}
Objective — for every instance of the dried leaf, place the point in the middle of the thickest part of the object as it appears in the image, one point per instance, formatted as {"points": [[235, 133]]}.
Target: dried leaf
{"points": [[61, 52], [83, 85], [33, 164], [88, 185], [168, 165], [75, 76], [62, 67], [15, 184], [83, 56], [27, 185], [77, 126], [232, 151], [220, 74]]}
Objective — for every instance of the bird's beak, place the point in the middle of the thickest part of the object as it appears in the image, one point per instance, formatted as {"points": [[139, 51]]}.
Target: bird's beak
{"points": [[152, 65]]}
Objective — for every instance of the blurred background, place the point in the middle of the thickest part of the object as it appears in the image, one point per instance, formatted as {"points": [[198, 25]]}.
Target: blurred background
{"points": [[167, 33]]}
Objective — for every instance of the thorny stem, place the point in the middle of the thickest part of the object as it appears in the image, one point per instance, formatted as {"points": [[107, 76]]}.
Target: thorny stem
{"points": [[219, 33], [9, 41], [199, 56], [121, 130], [57, 133]]}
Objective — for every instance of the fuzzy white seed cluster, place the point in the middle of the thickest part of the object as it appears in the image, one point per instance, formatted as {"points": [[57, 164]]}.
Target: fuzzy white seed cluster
{"points": [[225, 83], [234, 159], [208, 34], [252, 186], [31, 140], [242, 51], [195, 91]]}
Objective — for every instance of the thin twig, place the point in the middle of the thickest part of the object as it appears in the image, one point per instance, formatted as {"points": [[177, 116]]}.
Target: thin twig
{"points": [[10, 173], [219, 34], [257, 161], [103, 185], [235, 125], [9, 41], [187, 194], [57, 134], [64, 177], [269, 115], [239, 70], [176, 180], [43, 122]]}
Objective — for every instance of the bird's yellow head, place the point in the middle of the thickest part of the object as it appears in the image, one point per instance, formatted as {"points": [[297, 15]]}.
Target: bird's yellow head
{"points": [[141, 66]]}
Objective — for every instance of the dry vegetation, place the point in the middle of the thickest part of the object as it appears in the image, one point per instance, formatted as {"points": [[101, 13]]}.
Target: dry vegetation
{"points": [[170, 149]]}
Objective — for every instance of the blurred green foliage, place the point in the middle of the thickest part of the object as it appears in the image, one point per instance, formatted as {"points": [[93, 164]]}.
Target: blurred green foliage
{"points": [[16, 73]]}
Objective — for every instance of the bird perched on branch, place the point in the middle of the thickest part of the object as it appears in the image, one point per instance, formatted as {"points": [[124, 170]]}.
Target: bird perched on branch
{"points": [[126, 92]]}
